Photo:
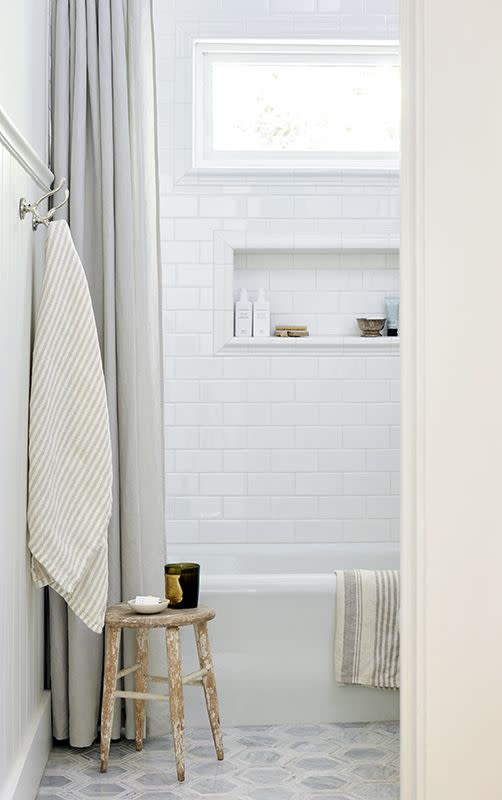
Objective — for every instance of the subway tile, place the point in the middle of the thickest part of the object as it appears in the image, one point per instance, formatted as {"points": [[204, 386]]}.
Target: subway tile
{"points": [[194, 321], [366, 483], [199, 414], [195, 229], [247, 414], [245, 368], [223, 438], [294, 414], [395, 437], [365, 391], [383, 460], [223, 391], [386, 507], [317, 207], [270, 437], [177, 205], [319, 530], [395, 483], [342, 460], [198, 461], [290, 367], [366, 530], [296, 280], [268, 531], [293, 507], [342, 414], [271, 391], [246, 507], [366, 437], [395, 391], [271, 483], [246, 460], [318, 391], [362, 303], [181, 484], [330, 280], [271, 206], [224, 531], [320, 483], [178, 438], [197, 507], [342, 368], [188, 275], [293, 460], [292, 6], [203, 368], [383, 368], [319, 437], [342, 507], [383, 414], [180, 252], [315, 302], [222, 206], [225, 483], [182, 531]]}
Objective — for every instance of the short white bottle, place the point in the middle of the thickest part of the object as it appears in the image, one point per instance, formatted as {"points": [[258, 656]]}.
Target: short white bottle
{"points": [[243, 315], [261, 315]]}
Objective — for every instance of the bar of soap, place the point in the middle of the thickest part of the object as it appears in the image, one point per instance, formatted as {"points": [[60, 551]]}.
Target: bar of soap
{"points": [[146, 600]]}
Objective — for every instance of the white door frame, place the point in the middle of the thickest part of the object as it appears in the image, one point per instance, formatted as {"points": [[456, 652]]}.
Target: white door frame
{"points": [[451, 272], [412, 406]]}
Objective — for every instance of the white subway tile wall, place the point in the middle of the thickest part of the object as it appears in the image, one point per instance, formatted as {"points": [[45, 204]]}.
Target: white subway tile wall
{"points": [[269, 449]]}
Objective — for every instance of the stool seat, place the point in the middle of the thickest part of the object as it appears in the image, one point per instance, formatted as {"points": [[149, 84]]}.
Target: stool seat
{"points": [[123, 616]]}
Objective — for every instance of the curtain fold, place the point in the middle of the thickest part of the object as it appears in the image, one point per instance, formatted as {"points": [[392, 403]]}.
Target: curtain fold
{"points": [[104, 142]]}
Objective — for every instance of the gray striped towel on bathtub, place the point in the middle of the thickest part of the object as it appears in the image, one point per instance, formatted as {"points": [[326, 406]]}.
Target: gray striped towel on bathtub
{"points": [[367, 628]]}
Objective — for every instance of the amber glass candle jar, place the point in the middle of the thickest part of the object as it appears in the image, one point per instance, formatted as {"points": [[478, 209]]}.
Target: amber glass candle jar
{"points": [[182, 585]]}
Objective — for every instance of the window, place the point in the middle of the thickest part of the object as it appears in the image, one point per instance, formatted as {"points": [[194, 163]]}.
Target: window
{"points": [[296, 104]]}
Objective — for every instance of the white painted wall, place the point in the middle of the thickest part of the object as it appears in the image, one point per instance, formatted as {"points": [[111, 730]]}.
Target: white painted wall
{"points": [[269, 448], [452, 540], [24, 706]]}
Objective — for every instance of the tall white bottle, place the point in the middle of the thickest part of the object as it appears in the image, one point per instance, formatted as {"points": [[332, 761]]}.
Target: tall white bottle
{"points": [[261, 315], [243, 315]]}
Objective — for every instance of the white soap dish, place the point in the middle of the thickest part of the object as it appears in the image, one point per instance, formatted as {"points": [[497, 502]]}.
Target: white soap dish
{"points": [[154, 605]]}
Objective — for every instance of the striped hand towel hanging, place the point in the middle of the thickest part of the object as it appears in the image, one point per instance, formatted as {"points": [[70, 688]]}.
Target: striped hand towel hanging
{"points": [[70, 463], [367, 628]]}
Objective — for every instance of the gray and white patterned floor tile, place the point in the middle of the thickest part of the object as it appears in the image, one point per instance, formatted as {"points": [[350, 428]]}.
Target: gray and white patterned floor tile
{"points": [[353, 761]]}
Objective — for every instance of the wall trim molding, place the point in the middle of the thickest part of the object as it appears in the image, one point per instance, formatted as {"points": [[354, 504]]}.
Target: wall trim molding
{"points": [[413, 421], [28, 768], [14, 141]]}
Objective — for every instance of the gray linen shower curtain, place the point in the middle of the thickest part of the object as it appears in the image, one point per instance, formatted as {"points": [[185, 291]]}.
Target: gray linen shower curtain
{"points": [[104, 142]]}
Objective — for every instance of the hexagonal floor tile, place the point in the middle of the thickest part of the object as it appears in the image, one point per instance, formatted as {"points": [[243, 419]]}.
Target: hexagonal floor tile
{"points": [[376, 772], [364, 754], [266, 775], [213, 786], [375, 791], [319, 764], [324, 782], [257, 755]]}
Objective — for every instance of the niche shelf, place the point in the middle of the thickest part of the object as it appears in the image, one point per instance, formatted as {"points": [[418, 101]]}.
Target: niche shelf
{"points": [[228, 243]]}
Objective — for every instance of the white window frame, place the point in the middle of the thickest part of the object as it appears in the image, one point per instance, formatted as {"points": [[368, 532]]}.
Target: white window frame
{"points": [[208, 51]]}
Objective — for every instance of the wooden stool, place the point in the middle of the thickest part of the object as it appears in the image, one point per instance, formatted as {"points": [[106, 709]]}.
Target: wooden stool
{"points": [[122, 616]]}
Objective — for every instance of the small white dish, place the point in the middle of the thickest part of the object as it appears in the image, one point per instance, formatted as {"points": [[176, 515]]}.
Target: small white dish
{"points": [[153, 608]]}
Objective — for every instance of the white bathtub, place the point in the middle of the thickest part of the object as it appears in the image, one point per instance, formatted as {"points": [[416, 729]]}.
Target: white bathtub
{"points": [[273, 635]]}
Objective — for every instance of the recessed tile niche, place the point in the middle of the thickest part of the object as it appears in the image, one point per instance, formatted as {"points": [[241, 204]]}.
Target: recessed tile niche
{"points": [[314, 281]]}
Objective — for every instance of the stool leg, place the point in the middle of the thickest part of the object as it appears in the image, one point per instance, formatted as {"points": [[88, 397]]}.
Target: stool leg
{"points": [[112, 650], [175, 680], [140, 684], [209, 685]]}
